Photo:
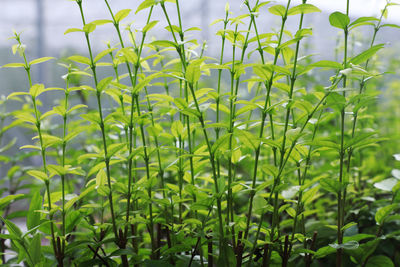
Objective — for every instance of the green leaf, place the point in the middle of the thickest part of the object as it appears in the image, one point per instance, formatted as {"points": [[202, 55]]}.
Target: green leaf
{"points": [[391, 25], [73, 30], [150, 25], [99, 22], [90, 27], [339, 20], [324, 251], [303, 9], [367, 54], [330, 185], [379, 261], [347, 226], [14, 65], [382, 213], [145, 4], [177, 129], [33, 217], [363, 21], [327, 64], [35, 249], [164, 43], [16, 94], [223, 140], [122, 14], [260, 203], [13, 229], [25, 117], [278, 10], [129, 55], [145, 82], [193, 73], [102, 85], [36, 90], [31, 147], [336, 101], [38, 175], [102, 54], [40, 60], [80, 59], [248, 139], [56, 170]]}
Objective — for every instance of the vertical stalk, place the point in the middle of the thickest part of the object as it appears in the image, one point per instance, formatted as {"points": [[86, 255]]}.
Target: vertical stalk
{"points": [[263, 117], [102, 127], [135, 102], [340, 202], [222, 244], [218, 100], [43, 154], [292, 81]]}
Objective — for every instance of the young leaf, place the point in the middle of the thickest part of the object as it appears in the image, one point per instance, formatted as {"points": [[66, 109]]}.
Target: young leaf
{"points": [[102, 54], [278, 10], [35, 249], [36, 90], [40, 60], [102, 85], [193, 73], [73, 30], [382, 213], [145, 4], [38, 175], [339, 20], [150, 25], [367, 54], [327, 64], [80, 59], [164, 43], [303, 9], [14, 65], [90, 27], [363, 21], [33, 217], [336, 101], [122, 14]]}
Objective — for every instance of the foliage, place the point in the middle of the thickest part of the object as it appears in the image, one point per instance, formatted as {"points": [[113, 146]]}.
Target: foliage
{"points": [[176, 158]]}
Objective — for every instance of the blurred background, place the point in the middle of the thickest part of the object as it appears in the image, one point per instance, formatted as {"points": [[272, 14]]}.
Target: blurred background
{"points": [[43, 23]]}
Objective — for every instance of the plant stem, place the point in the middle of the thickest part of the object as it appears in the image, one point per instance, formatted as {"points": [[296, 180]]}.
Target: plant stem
{"points": [[341, 202], [293, 77], [218, 100], [135, 102], [263, 117], [222, 245], [102, 125], [43, 153]]}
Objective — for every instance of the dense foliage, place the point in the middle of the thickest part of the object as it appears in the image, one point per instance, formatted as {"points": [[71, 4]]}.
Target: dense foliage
{"points": [[260, 157]]}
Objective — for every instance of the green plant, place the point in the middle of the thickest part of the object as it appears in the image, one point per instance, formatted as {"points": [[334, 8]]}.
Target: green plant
{"points": [[159, 169]]}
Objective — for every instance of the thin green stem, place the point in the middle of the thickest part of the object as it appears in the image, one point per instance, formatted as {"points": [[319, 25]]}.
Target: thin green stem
{"points": [[135, 102], [43, 153], [102, 125], [263, 117], [340, 201]]}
